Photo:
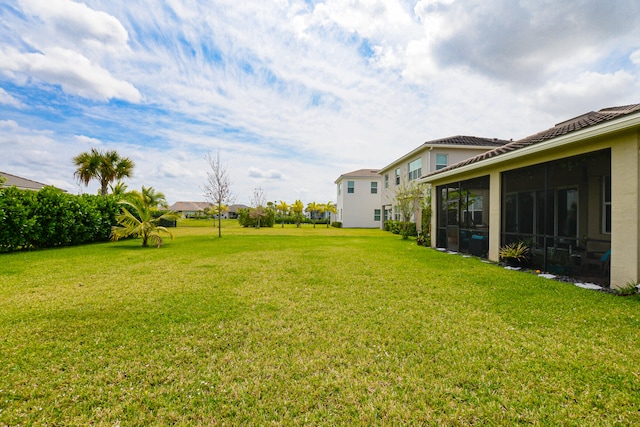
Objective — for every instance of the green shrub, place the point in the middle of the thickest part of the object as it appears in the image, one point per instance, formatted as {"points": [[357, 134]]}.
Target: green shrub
{"points": [[336, 224], [50, 217], [246, 220], [396, 227]]}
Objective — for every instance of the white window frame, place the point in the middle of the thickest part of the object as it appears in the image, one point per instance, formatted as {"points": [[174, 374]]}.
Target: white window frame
{"points": [[351, 187], [415, 169], [439, 164]]}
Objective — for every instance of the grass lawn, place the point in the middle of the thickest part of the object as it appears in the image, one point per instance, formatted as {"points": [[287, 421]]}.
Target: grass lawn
{"points": [[305, 327]]}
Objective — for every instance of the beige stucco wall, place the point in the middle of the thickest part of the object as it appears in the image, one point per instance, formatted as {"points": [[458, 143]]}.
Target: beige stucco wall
{"points": [[625, 187]]}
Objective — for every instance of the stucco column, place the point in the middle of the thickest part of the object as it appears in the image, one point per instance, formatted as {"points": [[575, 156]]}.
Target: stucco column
{"points": [[625, 212], [495, 196]]}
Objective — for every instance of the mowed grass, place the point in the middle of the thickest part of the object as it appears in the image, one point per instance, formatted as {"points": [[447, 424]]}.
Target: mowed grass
{"points": [[305, 327]]}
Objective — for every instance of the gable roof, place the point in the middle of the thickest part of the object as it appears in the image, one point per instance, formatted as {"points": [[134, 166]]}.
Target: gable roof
{"points": [[457, 141], [189, 206], [360, 173], [21, 183], [575, 124]]}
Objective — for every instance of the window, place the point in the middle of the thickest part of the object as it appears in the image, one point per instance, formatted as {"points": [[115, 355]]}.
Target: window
{"points": [[374, 187], [415, 169], [606, 204], [351, 187], [386, 180], [442, 161], [376, 214], [398, 176]]}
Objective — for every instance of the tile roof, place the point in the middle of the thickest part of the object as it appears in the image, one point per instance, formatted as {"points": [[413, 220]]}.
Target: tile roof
{"points": [[461, 141], [563, 128], [189, 206], [464, 140], [361, 173], [22, 183]]}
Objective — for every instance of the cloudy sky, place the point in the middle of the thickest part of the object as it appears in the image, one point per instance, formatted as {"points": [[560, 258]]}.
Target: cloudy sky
{"points": [[292, 93]]}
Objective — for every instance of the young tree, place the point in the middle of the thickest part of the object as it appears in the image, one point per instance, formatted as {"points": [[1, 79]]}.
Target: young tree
{"points": [[217, 187], [296, 209], [137, 218], [258, 202], [331, 208], [283, 209], [313, 208], [407, 200], [118, 190], [106, 167], [154, 199], [213, 211]]}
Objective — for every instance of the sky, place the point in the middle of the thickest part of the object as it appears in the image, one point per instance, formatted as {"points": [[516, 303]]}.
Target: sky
{"points": [[293, 93]]}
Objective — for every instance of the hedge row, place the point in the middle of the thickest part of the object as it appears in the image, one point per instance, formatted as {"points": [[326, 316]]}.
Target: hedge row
{"points": [[396, 227], [50, 217]]}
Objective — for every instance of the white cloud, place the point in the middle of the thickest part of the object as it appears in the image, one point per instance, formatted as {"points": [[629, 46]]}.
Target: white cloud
{"points": [[76, 21], [270, 174], [589, 91], [7, 99], [87, 141], [304, 90], [74, 72]]}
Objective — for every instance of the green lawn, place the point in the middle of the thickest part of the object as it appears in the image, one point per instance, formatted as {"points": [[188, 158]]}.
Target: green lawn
{"points": [[305, 327]]}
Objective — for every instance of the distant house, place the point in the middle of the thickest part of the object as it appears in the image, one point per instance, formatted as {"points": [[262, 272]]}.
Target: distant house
{"points": [[366, 196], [21, 183], [571, 192], [358, 203], [190, 209], [233, 211]]}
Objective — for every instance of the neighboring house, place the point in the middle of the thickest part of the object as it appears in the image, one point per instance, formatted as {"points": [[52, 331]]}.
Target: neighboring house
{"points": [[358, 203], [428, 157], [572, 193], [233, 211], [21, 183], [190, 209]]}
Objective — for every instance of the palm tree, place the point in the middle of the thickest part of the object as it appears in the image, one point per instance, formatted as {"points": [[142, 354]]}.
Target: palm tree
{"points": [[283, 208], [214, 210], [106, 167], [312, 208], [297, 209], [154, 199], [119, 190], [331, 208], [137, 219]]}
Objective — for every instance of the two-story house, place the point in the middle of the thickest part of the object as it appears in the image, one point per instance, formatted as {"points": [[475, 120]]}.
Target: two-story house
{"points": [[358, 203], [428, 157]]}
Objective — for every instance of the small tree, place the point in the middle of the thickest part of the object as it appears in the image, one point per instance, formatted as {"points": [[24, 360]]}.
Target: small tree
{"points": [[137, 219], [259, 210], [407, 200], [283, 209], [313, 208], [213, 211], [331, 208], [217, 187], [425, 205], [296, 209]]}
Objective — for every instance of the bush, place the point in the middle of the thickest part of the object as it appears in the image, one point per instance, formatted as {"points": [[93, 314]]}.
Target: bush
{"points": [[336, 224], [396, 227], [247, 220], [50, 217]]}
